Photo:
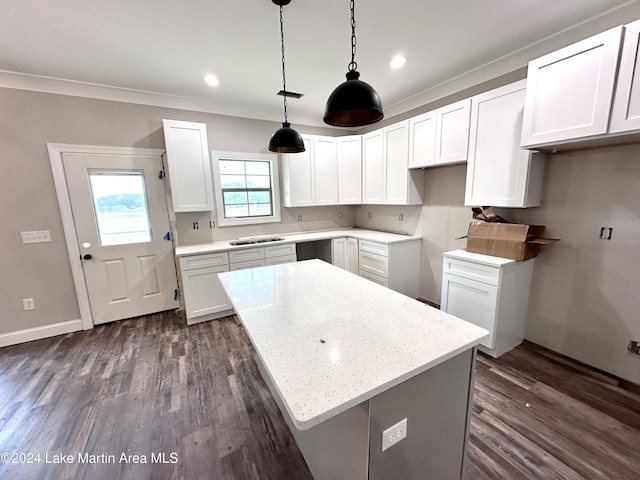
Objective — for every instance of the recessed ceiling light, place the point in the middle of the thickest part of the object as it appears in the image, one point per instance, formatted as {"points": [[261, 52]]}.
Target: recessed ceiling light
{"points": [[211, 80], [398, 61]]}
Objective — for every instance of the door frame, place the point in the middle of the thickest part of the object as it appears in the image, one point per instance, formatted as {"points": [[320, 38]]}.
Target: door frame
{"points": [[56, 152]]}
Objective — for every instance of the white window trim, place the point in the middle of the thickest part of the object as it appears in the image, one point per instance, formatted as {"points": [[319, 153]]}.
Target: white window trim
{"points": [[216, 156]]}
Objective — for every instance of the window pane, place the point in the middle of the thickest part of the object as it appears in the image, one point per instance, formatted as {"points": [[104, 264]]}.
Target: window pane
{"points": [[231, 211], [231, 167], [259, 209], [233, 181], [257, 168], [259, 197], [120, 204], [235, 198], [258, 182]]}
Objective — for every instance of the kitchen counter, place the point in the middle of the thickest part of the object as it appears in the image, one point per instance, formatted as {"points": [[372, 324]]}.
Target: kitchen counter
{"points": [[361, 234], [329, 342]]}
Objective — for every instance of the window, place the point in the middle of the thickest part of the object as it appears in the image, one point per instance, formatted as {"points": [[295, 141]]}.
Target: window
{"points": [[246, 188], [120, 203]]}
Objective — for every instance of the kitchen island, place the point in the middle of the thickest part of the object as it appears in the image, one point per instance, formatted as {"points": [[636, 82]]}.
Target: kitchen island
{"points": [[346, 359]]}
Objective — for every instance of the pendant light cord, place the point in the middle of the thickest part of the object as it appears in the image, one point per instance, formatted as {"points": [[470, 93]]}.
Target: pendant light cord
{"points": [[284, 78], [353, 65]]}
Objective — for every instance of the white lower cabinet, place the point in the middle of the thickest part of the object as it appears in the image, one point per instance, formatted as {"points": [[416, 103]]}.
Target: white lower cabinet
{"points": [[490, 292], [344, 253], [394, 265], [204, 297]]}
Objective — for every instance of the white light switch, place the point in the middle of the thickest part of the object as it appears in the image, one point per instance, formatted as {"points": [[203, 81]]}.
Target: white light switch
{"points": [[40, 236], [393, 435]]}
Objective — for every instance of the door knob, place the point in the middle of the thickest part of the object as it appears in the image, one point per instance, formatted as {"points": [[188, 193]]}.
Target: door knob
{"points": [[87, 256]]}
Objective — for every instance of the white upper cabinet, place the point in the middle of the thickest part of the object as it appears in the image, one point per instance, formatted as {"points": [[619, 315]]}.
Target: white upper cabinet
{"points": [[499, 172], [452, 133], [189, 166], [349, 170], [298, 184], [373, 167], [325, 168], [422, 140], [570, 91], [386, 175], [625, 116], [440, 137]]}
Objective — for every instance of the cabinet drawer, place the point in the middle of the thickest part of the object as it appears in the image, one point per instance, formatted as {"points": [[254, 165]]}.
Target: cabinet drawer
{"points": [[204, 260], [375, 278], [373, 264], [280, 250], [472, 271], [374, 247], [279, 260], [248, 264], [245, 254]]}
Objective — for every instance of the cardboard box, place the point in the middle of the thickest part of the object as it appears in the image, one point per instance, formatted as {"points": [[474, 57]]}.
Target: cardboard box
{"points": [[506, 240]]}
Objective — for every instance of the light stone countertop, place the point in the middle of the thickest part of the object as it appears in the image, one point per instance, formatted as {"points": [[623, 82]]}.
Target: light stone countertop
{"points": [[490, 260], [359, 233], [330, 340]]}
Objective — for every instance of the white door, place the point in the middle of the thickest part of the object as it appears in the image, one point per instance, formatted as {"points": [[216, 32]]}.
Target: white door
{"points": [[122, 226]]}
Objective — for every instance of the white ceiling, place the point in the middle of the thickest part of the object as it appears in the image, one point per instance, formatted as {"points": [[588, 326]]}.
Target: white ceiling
{"points": [[157, 51]]}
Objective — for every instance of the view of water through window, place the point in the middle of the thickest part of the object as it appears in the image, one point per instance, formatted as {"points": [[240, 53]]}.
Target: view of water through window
{"points": [[121, 209]]}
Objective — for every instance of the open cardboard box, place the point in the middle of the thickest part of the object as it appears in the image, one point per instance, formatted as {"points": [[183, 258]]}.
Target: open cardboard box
{"points": [[506, 240]]}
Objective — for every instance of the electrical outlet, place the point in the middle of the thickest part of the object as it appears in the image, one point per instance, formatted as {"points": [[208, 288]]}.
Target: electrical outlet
{"points": [[299, 218], [195, 226], [634, 348], [368, 214], [393, 435], [28, 304], [401, 217], [339, 214], [605, 233]]}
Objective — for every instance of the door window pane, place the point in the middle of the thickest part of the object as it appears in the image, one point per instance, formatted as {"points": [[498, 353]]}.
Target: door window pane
{"points": [[120, 205]]}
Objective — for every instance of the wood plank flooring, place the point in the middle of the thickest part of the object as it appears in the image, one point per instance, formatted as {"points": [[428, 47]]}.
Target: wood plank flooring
{"points": [[153, 386]]}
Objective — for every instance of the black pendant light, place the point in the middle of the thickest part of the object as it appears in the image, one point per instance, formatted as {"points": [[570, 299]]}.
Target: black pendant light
{"points": [[285, 139], [353, 103]]}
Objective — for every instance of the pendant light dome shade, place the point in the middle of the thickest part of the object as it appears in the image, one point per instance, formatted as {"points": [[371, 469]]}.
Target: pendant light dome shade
{"points": [[353, 103], [286, 140]]}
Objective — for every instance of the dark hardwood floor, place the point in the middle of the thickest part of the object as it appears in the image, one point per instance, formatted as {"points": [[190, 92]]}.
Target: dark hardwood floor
{"points": [[190, 401]]}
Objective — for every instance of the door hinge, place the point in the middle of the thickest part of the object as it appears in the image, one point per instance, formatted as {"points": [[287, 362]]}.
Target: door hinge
{"points": [[175, 294], [161, 175], [167, 236]]}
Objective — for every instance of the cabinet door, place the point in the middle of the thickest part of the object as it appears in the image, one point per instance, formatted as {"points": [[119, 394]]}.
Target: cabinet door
{"points": [[352, 255], [203, 292], [325, 168], [452, 133], [373, 167], [499, 172], [422, 140], [298, 183], [189, 166], [474, 302], [350, 170], [339, 252], [569, 91], [396, 160], [626, 104]]}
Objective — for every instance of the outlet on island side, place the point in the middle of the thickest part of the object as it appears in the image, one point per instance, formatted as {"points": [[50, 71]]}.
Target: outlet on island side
{"points": [[394, 434], [28, 304]]}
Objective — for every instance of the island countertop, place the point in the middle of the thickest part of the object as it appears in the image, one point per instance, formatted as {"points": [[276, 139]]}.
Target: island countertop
{"points": [[330, 340]]}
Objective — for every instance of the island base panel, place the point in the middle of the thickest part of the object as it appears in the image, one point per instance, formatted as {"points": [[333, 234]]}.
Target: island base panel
{"points": [[436, 406]]}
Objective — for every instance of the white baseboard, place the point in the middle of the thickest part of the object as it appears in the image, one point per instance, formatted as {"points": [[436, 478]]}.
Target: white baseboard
{"points": [[38, 333]]}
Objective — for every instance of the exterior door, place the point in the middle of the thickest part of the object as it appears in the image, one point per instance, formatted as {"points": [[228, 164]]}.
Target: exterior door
{"points": [[122, 225]]}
